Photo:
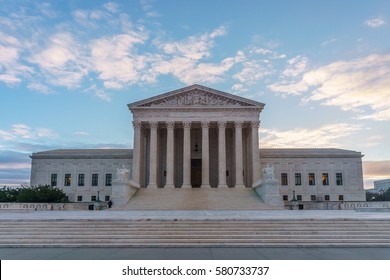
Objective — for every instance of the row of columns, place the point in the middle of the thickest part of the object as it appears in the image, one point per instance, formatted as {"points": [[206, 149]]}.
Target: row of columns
{"points": [[187, 154]]}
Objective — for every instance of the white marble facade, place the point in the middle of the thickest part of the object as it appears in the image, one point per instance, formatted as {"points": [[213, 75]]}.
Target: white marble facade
{"points": [[198, 137]]}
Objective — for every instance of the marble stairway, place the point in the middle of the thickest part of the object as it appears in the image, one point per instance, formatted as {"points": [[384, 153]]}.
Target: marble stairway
{"points": [[195, 233], [196, 199]]}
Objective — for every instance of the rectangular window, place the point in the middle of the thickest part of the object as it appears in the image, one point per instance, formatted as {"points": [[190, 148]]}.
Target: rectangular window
{"points": [[285, 197], [80, 198], [81, 180], [327, 198], [298, 180], [339, 179], [95, 180], [312, 180], [68, 180], [325, 179], [93, 198], [108, 179], [341, 197], [299, 197], [312, 197], [107, 198], [53, 180], [284, 179]]}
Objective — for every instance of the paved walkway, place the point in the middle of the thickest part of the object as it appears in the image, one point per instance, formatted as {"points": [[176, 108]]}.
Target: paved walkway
{"points": [[196, 215], [195, 253]]}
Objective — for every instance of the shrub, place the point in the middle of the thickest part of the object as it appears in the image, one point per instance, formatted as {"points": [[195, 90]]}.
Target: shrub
{"points": [[42, 194]]}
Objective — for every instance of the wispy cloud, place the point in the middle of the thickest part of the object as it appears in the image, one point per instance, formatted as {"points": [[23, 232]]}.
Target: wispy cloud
{"points": [[351, 85], [22, 131], [323, 137], [375, 22]]}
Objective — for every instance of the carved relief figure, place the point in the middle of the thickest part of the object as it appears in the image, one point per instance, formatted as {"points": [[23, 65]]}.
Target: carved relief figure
{"points": [[268, 172]]}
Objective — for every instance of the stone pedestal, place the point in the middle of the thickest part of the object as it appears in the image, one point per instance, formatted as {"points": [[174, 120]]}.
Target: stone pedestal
{"points": [[268, 190], [122, 191]]}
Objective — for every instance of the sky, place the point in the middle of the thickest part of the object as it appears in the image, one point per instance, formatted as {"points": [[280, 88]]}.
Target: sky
{"points": [[69, 68]]}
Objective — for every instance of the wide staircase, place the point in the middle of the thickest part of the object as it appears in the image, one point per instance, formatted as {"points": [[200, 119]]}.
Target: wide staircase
{"points": [[196, 199], [193, 233]]}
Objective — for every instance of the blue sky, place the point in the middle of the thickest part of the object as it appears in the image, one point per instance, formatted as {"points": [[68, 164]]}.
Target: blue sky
{"points": [[68, 69]]}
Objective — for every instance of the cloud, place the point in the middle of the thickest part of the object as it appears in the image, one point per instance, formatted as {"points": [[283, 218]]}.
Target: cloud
{"points": [[111, 7], [359, 85], [11, 69], [374, 171], [375, 22], [22, 131], [323, 137], [185, 59], [296, 66], [254, 71], [35, 86], [62, 61]]}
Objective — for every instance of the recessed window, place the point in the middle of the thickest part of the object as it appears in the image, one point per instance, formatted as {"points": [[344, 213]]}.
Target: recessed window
{"points": [[312, 197], [283, 178], [53, 180], [298, 179], [341, 197], [325, 179], [107, 198], [81, 180], [285, 197], [327, 198], [95, 178], [68, 180], [339, 179], [312, 180], [299, 197], [108, 179], [80, 198], [93, 198]]}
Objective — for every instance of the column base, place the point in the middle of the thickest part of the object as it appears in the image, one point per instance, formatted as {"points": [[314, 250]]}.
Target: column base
{"points": [[152, 186], [205, 186], [170, 186], [239, 186], [186, 187], [223, 186]]}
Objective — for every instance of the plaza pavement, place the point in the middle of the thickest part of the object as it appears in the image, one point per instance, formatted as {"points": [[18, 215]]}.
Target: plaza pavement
{"points": [[209, 253]]}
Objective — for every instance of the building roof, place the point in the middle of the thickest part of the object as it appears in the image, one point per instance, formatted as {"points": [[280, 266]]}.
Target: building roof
{"points": [[308, 153], [84, 153]]}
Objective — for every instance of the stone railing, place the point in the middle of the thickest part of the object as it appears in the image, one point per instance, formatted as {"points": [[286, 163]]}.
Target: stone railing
{"points": [[80, 206], [338, 205], [365, 204]]}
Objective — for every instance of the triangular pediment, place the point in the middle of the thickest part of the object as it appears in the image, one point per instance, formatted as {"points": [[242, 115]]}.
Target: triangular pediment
{"points": [[195, 96]]}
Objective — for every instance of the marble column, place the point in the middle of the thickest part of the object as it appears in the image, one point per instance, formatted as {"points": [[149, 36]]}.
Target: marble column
{"points": [[255, 151], [187, 155], [136, 153], [239, 156], [205, 155], [170, 155], [221, 155], [153, 155]]}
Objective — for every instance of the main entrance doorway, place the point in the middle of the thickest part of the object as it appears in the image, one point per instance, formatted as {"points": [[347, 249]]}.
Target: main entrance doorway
{"points": [[196, 173]]}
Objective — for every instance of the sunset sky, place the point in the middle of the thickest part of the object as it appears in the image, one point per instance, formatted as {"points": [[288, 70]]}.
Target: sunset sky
{"points": [[68, 69]]}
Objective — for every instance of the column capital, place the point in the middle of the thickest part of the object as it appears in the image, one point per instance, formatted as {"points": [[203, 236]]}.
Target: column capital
{"points": [[222, 124], [137, 124], [153, 125], [205, 124], [255, 124], [187, 125], [170, 124], [238, 124]]}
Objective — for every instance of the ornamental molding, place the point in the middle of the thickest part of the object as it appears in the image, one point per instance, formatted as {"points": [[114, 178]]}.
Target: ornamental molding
{"points": [[227, 112], [196, 96]]}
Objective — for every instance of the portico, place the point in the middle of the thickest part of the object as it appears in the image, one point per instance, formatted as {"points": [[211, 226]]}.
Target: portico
{"points": [[195, 137]]}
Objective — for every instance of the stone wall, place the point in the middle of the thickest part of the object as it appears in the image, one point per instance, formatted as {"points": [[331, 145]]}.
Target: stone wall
{"points": [[81, 206]]}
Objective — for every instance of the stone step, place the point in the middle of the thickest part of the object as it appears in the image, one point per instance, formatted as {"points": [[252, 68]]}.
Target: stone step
{"points": [[118, 233], [195, 199]]}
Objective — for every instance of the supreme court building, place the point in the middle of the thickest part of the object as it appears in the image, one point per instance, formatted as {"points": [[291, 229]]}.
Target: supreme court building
{"points": [[200, 138]]}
